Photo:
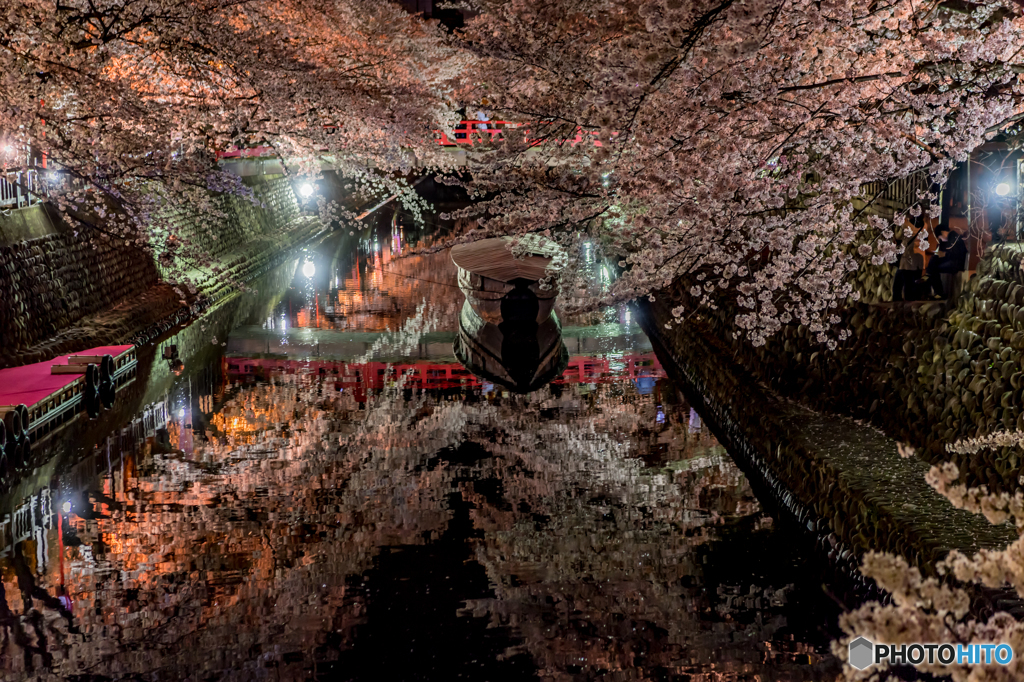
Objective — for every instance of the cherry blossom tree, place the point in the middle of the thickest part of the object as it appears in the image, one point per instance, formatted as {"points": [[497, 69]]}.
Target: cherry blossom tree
{"points": [[734, 135], [128, 101]]}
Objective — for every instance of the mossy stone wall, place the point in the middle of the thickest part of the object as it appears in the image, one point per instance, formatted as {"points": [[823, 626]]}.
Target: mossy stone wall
{"points": [[65, 289], [843, 480], [929, 374]]}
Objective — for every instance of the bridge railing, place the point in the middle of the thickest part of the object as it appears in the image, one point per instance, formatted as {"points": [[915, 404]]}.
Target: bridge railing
{"points": [[432, 375], [464, 134], [476, 132], [891, 197], [248, 153], [20, 184]]}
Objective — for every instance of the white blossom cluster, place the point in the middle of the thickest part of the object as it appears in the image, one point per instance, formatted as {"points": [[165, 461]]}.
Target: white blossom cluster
{"points": [[937, 610], [999, 439], [121, 108]]}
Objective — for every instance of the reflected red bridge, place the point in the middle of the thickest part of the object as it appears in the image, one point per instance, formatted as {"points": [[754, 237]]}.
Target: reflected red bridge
{"points": [[361, 377]]}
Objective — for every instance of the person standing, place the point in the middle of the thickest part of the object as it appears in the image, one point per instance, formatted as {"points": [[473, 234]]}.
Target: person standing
{"points": [[481, 115], [910, 266], [949, 258]]}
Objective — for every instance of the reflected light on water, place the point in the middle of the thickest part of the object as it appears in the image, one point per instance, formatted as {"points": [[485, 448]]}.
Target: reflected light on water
{"points": [[362, 507]]}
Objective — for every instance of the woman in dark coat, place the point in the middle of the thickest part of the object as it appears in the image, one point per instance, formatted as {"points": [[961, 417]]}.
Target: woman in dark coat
{"points": [[949, 258]]}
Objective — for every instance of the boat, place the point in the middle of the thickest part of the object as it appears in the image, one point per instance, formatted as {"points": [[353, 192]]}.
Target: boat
{"points": [[43, 395], [502, 287]]}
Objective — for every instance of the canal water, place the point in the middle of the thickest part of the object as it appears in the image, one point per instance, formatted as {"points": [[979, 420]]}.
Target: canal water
{"points": [[309, 483]]}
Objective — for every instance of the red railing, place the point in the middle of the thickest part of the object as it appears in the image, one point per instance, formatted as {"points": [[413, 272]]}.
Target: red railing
{"points": [[465, 133], [247, 153], [469, 133], [432, 375]]}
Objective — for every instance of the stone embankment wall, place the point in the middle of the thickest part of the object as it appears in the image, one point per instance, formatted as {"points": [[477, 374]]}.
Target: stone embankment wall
{"points": [[927, 374], [55, 279], [154, 378], [819, 429], [68, 288], [244, 231], [841, 479]]}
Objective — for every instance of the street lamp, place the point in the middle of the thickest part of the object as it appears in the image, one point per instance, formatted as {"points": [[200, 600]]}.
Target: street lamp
{"points": [[306, 190], [308, 268], [1003, 188]]}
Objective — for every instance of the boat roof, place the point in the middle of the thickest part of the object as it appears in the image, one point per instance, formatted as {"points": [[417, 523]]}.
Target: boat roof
{"points": [[29, 384], [493, 257]]}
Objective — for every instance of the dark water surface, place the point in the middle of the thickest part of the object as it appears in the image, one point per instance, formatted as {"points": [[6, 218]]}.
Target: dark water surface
{"points": [[324, 492]]}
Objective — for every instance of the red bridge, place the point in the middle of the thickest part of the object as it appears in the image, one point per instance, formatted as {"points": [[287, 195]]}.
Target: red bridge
{"points": [[469, 133], [465, 134]]}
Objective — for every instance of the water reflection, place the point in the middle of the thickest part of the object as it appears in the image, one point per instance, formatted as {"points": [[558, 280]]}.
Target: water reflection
{"points": [[344, 502], [520, 355]]}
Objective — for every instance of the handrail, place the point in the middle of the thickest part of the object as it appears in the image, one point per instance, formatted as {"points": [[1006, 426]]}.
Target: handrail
{"points": [[18, 188], [20, 184], [247, 153]]}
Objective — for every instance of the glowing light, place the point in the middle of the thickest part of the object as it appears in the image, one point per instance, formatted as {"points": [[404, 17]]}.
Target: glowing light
{"points": [[181, 413], [1002, 189], [306, 190], [66, 507], [308, 268]]}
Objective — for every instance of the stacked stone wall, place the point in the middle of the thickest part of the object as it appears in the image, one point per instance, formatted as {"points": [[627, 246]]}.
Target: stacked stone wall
{"points": [[928, 374], [50, 283], [844, 481], [801, 419], [65, 290], [240, 221], [244, 229]]}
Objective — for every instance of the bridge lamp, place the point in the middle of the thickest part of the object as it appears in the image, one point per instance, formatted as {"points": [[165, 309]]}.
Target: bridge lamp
{"points": [[1003, 188], [308, 268], [306, 190]]}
